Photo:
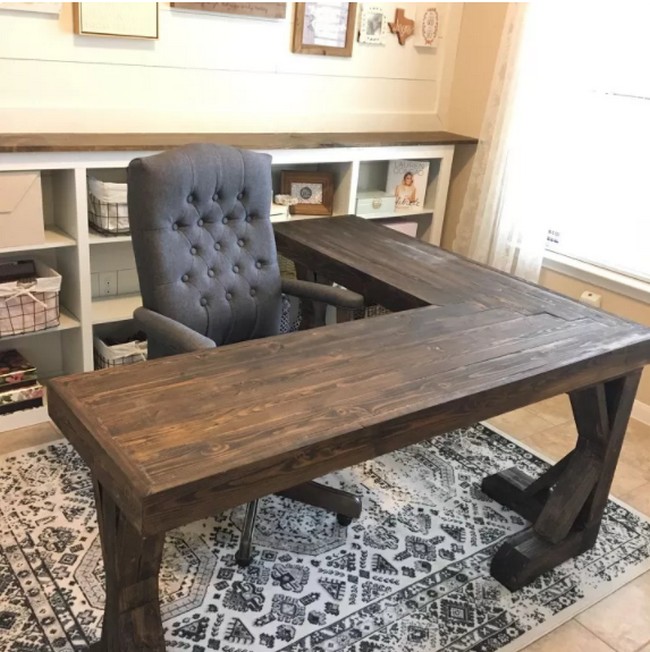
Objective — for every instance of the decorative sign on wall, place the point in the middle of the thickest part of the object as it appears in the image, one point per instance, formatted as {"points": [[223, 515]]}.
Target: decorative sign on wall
{"points": [[427, 26], [402, 27], [373, 25], [125, 19], [324, 28], [252, 9]]}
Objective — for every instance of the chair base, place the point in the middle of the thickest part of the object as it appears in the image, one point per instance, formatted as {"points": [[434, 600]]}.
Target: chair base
{"points": [[347, 507]]}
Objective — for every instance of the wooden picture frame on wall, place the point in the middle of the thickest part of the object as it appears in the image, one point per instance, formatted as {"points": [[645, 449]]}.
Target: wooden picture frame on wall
{"points": [[116, 19], [314, 191], [324, 28], [272, 10]]}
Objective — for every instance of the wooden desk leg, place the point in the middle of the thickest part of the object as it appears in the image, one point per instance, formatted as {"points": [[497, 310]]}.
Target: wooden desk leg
{"points": [[132, 612], [566, 503]]}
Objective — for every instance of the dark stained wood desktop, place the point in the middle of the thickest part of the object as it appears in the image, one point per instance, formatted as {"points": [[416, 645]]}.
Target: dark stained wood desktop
{"points": [[177, 439], [140, 142]]}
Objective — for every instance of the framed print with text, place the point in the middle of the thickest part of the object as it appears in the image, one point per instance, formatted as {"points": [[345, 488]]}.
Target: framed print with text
{"points": [[119, 19], [324, 28]]}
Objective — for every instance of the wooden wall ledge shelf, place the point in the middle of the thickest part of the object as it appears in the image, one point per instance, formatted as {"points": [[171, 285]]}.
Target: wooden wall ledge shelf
{"points": [[87, 142]]}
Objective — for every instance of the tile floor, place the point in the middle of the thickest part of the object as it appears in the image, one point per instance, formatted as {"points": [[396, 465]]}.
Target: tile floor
{"points": [[621, 621]]}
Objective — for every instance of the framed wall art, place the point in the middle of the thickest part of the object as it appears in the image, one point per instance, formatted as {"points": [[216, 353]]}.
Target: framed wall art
{"points": [[52, 8], [245, 9], [324, 28], [373, 25], [119, 19], [314, 191]]}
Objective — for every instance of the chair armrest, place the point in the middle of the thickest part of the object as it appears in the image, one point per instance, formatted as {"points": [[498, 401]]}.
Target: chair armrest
{"points": [[169, 336], [320, 292]]}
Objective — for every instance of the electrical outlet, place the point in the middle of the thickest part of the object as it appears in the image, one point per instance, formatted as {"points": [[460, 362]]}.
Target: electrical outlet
{"points": [[107, 284]]}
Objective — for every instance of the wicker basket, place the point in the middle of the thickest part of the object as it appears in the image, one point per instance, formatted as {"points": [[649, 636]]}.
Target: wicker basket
{"points": [[115, 355], [30, 306], [108, 211]]}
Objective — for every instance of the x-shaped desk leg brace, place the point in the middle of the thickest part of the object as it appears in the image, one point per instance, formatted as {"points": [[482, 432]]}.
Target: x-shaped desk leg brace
{"points": [[565, 504]]}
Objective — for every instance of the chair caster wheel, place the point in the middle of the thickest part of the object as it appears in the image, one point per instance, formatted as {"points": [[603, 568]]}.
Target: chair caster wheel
{"points": [[243, 562], [343, 520]]}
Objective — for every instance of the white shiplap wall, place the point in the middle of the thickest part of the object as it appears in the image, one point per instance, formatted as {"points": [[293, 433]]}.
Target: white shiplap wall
{"points": [[214, 73]]}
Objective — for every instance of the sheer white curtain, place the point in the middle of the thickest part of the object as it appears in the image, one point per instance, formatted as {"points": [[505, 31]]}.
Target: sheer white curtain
{"points": [[504, 218]]}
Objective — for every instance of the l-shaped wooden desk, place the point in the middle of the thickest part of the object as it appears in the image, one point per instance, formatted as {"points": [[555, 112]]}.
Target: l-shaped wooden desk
{"points": [[466, 343]]}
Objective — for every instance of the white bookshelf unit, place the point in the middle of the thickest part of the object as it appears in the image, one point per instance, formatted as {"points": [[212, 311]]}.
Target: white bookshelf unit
{"points": [[357, 162]]}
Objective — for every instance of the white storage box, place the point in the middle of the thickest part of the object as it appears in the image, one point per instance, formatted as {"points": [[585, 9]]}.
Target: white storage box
{"points": [[408, 228], [108, 211], [375, 201], [30, 306], [21, 209], [113, 355]]}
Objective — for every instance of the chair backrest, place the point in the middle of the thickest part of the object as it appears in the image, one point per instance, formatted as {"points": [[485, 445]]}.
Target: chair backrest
{"points": [[203, 240]]}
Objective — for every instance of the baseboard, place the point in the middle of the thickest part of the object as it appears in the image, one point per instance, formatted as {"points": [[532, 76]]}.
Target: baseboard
{"points": [[641, 412]]}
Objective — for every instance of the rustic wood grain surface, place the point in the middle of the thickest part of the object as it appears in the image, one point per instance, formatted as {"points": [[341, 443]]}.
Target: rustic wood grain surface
{"points": [[251, 418], [88, 142]]}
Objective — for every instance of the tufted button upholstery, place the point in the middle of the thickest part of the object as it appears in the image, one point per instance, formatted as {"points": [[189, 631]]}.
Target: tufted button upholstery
{"points": [[211, 192]]}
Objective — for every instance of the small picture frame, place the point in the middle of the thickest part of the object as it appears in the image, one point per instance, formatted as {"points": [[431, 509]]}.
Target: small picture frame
{"points": [[325, 28], [373, 25], [117, 19], [314, 191]]}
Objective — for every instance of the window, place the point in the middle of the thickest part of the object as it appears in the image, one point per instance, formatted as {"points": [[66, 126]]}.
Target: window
{"points": [[595, 92]]}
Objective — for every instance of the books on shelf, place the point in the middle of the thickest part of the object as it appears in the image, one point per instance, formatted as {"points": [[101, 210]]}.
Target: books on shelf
{"points": [[19, 386], [407, 181]]}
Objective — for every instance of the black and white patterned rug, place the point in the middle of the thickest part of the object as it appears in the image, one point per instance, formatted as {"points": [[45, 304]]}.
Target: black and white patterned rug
{"points": [[411, 575]]}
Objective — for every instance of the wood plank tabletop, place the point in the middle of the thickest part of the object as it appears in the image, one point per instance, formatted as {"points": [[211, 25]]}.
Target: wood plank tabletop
{"points": [[188, 435], [89, 142], [401, 272]]}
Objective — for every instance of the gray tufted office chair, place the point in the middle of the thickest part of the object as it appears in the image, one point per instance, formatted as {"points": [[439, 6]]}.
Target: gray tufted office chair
{"points": [[207, 265]]}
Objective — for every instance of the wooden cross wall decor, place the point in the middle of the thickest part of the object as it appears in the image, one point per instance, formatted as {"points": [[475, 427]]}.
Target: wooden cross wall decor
{"points": [[403, 27]]}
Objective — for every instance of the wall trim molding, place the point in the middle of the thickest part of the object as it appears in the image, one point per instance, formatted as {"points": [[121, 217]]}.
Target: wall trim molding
{"points": [[641, 412]]}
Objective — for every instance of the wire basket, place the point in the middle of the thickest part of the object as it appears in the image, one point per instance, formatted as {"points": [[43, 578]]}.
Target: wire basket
{"points": [[30, 305], [370, 311], [115, 355], [108, 211]]}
